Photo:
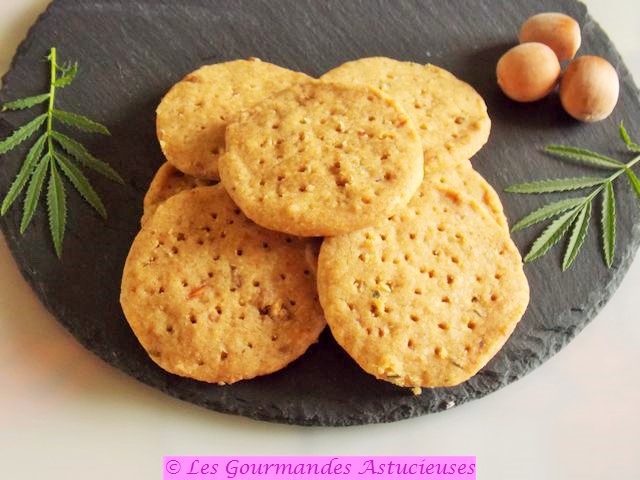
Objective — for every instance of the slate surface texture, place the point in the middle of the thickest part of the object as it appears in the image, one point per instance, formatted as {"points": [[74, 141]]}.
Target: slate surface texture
{"points": [[131, 52]]}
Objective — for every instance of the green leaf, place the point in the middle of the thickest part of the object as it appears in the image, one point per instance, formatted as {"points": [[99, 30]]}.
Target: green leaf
{"points": [[68, 76], [635, 182], [81, 183], [556, 185], [33, 192], [80, 122], [583, 155], [548, 211], [624, 135], [21, 134], [57, 206], [578, 235], [609, 224], [77, 151], [27, 102], [23, 175], [551, 235]]}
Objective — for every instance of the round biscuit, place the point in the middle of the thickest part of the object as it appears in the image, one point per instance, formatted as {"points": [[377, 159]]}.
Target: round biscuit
{"points": [[451, 117], [192, 116], [464, 178], [167, 182], [212, 296], [428, 297], [322, 159]]}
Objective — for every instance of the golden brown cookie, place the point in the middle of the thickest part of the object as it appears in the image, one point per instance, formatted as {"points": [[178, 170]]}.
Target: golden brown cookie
{"points": [[322, 159], [193, 115], [167, 182], [428, 297], [214, 297], [464, 178], [450, 116]]}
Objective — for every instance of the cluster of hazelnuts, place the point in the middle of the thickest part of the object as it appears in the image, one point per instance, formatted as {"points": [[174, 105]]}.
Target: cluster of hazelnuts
{"points": [[589, 86]]}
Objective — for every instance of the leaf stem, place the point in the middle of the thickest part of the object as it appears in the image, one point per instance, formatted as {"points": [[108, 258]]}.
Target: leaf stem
{"points": [[626, 167], [52, 98], [612, 177]]}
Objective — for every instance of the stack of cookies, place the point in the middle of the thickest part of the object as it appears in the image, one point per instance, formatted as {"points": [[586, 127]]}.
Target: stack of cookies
{"points": [[416, 274]]}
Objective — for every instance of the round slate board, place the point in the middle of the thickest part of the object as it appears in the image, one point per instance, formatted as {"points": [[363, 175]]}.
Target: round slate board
{"points": [[131, 52]]}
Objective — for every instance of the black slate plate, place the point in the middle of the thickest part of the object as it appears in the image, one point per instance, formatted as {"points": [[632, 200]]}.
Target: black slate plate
{"points": [[131, 52]]}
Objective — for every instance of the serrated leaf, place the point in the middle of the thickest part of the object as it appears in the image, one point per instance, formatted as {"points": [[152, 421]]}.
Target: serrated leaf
{"points": [[578, 235], [22, 134], [556, 185], [609, 224], [68, 76], [548, 211], [624, 135], [635, 182], [77, 151], [24, 174], [551, 235], [81, 183], [27, 102], [582, 155], [33, 192], [80, 122], [57, 207]]}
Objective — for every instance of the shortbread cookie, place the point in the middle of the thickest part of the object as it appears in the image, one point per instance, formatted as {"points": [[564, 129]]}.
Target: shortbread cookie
{"points": [[167, 182], [193, 115], [212, 296], [464, 178], [450, 116], [426, 298], [322, 159]]}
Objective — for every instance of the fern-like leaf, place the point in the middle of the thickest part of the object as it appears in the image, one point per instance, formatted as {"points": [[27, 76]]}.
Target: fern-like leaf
{"points": [[24, 103], [80, 122], [81, 183], [624, 135], [551, 235], [635, 182], [24, 174], [548, 211], [22, 134], [69, 75], [33, 192], [556, 185], [609, 224], [582, 155], [82, 155], [578, 235], [57, 208]]}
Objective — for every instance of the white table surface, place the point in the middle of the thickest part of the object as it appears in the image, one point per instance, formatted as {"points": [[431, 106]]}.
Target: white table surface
{"points": [[67, 415]]}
